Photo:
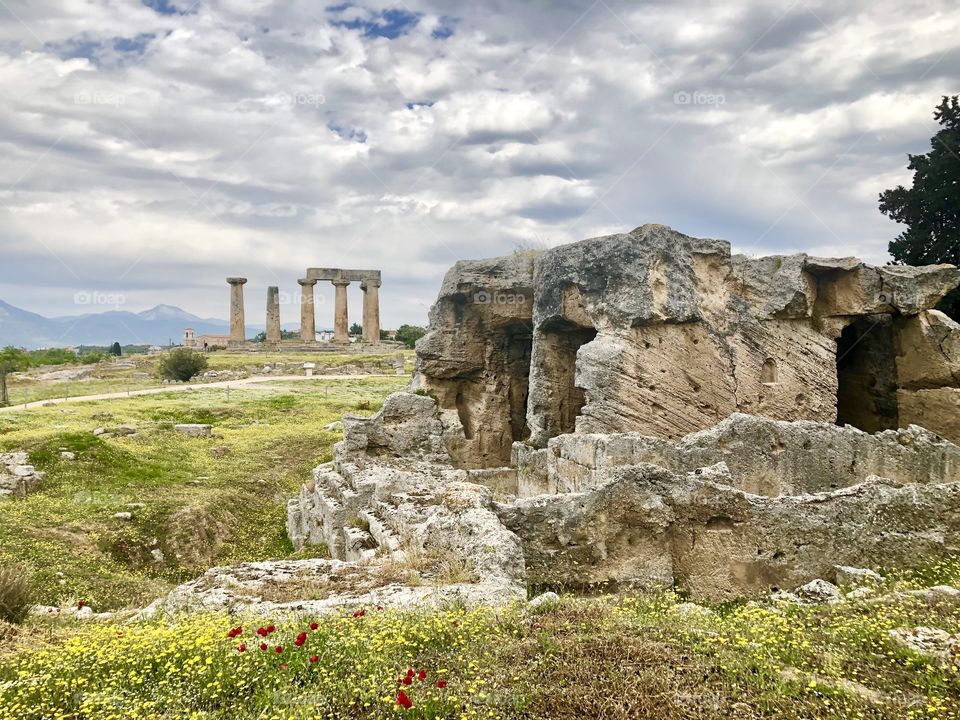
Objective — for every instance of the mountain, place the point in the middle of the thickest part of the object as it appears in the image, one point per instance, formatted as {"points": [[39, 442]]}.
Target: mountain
{"points": [[156, 326]]}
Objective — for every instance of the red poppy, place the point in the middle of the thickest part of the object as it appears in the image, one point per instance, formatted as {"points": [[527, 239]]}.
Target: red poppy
{"points": [[301, 639], [379, 608], [441, 684], [271, 628], [242, 647], [314, 626], [235, 631], [422, 675], [403, 701], [410, 672], [278, 648], [314, 658], [80, 604], [262, 631], [263, 646], [360, 613], [406, 680]]}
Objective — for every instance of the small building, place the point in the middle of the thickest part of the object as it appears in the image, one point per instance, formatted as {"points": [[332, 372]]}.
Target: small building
{"points": [[204, 342]]}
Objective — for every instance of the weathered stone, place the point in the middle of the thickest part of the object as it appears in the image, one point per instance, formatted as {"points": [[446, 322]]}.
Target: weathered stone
{"points": [[819, 591], [194, 429], [930, 642], [856, 577], [17, 476]]}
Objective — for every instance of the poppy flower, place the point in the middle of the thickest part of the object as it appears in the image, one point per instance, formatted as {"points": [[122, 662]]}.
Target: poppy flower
{"points": [[379, 608], [410, 672], [242, 647], [406, 680], [403, 701], [271, 628], [235, 631], [441, 684], [301, 639], [314, 626], [262, 631], [314, 658], [263, 646], [422, 675], [359, 613], [278, 648], [80, 604]]}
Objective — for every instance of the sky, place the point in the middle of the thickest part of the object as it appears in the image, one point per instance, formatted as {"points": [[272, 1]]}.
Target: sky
{"points": [[151, 149]]}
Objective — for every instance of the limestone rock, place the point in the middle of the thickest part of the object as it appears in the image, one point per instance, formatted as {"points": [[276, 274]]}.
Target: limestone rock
{"points": [[194, 429], [856, 577], [543, 600], [820, 591], [17, 476], [933, 643]]}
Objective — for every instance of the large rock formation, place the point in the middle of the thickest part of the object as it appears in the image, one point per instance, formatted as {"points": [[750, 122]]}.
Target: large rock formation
{"points": [[647, 408]]}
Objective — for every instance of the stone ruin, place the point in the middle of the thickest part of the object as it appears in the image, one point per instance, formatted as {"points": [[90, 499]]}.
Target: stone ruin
{"points": [[648, 409]]}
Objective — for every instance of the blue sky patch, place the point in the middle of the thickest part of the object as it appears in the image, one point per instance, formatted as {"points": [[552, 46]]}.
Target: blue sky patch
{"points": [[349, 133], [445, 28], [391, 23], [164, 7]]}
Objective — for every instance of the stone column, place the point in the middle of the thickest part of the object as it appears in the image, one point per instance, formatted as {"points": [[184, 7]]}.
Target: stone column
{"points": [[371, 310], [238, 329], [308, 318], [273, 315], [341, 327]]}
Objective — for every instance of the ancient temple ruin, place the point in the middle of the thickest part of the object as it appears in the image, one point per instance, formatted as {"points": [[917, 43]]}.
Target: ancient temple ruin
{"points": [[647, 408], [370, 281]]}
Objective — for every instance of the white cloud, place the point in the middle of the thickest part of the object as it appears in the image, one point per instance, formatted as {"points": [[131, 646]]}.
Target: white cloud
{"points": [[157, 151]]}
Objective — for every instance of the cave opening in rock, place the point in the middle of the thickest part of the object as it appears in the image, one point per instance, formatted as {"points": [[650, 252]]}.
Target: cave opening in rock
{"points": [[519, 347], [561, 344], [867, 375]]}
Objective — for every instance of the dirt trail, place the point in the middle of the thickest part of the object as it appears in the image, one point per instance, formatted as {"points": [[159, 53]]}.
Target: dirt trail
{"points": [[182, 388]]}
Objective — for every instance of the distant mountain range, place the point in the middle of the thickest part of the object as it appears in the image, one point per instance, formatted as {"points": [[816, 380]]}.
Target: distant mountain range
{"points": [[156, 326]]}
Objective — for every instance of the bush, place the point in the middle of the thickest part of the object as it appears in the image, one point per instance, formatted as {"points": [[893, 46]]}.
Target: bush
{"points": [[182, 364], [14, 594]]}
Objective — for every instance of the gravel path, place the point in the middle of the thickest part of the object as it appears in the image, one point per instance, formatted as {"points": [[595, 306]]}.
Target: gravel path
{"points": [[181, 388]]}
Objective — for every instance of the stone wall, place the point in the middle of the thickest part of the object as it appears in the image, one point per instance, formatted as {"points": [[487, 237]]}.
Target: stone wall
{"points": [[663, 334]]}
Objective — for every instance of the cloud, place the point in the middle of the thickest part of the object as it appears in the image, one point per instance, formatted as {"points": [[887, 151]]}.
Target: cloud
{"points": [[154, 149]]}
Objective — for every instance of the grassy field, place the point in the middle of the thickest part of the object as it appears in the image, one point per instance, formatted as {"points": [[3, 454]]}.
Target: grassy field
{"points": [[112, 377], [195, 502], [641, 656]]}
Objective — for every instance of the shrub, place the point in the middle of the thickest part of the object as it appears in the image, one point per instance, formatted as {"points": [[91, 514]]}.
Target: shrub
{"points": [[182, 364], [14, 593]]}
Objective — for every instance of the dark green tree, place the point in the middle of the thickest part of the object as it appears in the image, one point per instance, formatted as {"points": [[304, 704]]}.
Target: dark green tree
{"points": [[116, 350], [182, 364], [11, 360], [409, 334], [930, 208], [356, 329]]}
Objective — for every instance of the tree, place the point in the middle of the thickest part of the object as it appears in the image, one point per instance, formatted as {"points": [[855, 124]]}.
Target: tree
{"points": [[261, 337], [11, 360], [182, 364], [116, 350], [409, 334], [356, 329], [931, 207]]}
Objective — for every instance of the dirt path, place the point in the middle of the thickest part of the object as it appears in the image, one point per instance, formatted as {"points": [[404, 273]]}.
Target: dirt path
{"points": [[182, 388]]}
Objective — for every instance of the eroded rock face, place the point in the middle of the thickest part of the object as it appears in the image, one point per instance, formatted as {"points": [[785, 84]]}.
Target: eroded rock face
{"points": [[663, 334]]}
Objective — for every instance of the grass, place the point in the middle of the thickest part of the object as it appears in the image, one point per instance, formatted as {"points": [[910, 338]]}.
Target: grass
{"points": [[196, 502], [108, 377], [617, 657]]}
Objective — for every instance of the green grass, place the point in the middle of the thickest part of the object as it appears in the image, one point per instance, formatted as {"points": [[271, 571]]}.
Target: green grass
{"points": [[205, 500], [612, 657], [106, 377]]}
